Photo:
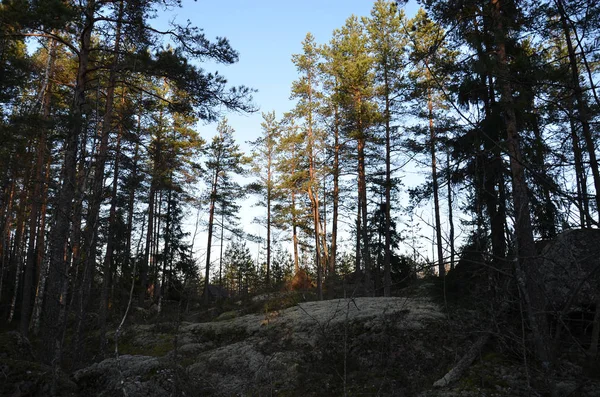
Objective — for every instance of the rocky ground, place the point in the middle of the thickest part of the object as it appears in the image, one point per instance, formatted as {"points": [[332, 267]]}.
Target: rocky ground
{"points": [[356, 347]]}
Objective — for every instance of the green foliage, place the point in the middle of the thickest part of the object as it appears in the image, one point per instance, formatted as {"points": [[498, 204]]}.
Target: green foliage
{"points": [[240, 276]]}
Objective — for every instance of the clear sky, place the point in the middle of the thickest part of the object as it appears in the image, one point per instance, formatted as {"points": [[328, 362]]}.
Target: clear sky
{"points": [[265, 33]]}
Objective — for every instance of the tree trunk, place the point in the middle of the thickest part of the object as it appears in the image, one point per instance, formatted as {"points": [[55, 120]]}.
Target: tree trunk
{"points": [[362, 191], [36, 202], [387, 268], [436, 199], [336, 195], [55, 302], [580, 176], [221, 249], [90, 234], [268, 278], [358, 234], [108, 258], [450, 215], [313, 193], [42, 265], [149, 236], [131, 203], [295, 235], [211, 219], [17, 254], [156, 285], [162, 290], [581, 104], [5, 230], [528, 263]]}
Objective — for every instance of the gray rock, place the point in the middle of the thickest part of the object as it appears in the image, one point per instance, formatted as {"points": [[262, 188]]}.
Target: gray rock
{"points": [[570, 269], [129, 375]]}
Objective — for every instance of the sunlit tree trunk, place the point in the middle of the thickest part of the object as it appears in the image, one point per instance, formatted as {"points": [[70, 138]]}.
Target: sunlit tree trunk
{"points": [[295, 235]]}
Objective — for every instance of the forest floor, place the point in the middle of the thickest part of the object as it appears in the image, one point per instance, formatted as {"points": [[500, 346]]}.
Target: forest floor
{"points": [[283, 345]]}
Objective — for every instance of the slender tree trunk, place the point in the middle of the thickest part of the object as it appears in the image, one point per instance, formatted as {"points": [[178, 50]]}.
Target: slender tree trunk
{"points": [[548, 221], [155, 247], [358, 234], [55, 302], [387, 268], [149, 254], [131, 203], [17, 253], [76, 273], [211, 219], [108, 258], [582, 189], [42, 265], [221, 249], [362, 191], [162, 290], [313, 193], [581, 104], [149, 237], [492, 186], [336, 195], [269, 193], [36, 201], [436, 198], [295, 235], [7, 219], [528, 263], [90, 234], [323, 229], [450, 212]]}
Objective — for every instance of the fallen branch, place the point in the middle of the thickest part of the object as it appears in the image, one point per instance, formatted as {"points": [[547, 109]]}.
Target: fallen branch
{"points": [[465, 362]]}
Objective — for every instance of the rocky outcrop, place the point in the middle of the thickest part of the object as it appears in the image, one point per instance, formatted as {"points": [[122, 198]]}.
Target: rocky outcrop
{"points": [[571, 269], [268, 353], [127, 375]]}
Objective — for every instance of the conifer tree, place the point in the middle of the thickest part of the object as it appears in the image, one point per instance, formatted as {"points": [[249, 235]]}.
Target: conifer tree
{"points": [[264, 157], [428, 54], [388, 42], [305, 90], [224, 161], [292, 173], [354, 72]]}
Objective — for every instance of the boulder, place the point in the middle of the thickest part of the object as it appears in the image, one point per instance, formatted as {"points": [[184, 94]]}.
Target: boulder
{"points": [[570, 269]]}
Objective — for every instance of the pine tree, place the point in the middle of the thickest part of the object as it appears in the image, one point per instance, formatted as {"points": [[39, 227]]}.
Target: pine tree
{"points": [[224, 160], [305, 90], [292, 174], [388, 43], [264, 155], [428, 54], [354, 72]]}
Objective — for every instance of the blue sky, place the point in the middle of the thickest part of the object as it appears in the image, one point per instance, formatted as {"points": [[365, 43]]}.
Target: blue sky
{"points": [[266, 33]]}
